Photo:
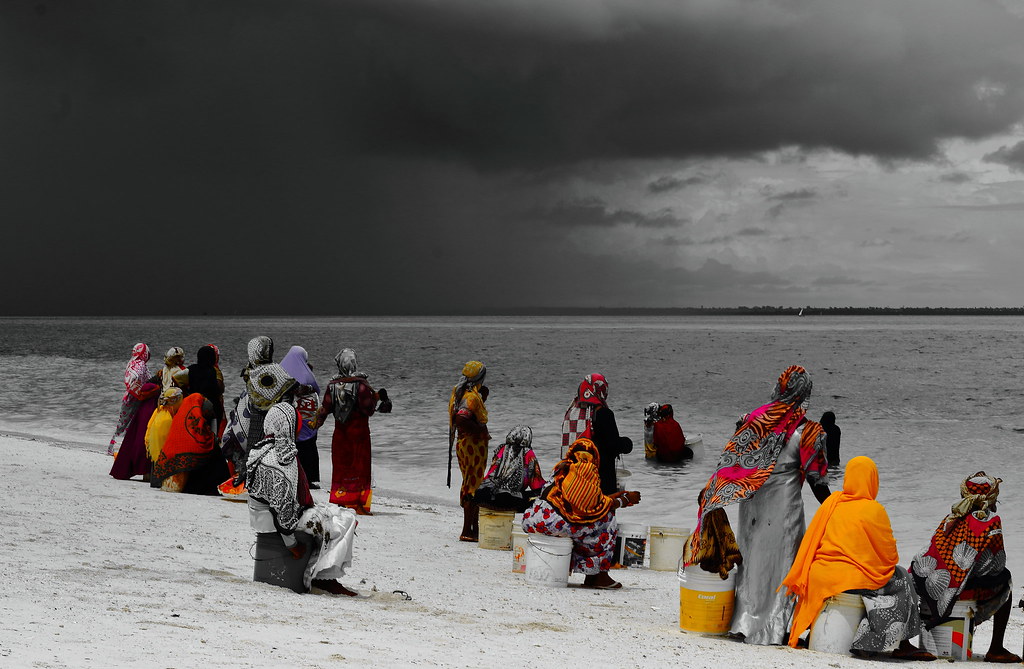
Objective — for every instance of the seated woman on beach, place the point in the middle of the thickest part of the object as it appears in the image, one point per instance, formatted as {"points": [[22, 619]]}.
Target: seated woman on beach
{"points": [[514, 479], [849, 547], [573, 506], [280, 501], [191, 461], [965, 560]]}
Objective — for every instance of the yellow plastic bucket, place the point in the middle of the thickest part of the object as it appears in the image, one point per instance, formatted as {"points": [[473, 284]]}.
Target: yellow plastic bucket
{"points": [[496, 529], [705, 602]]}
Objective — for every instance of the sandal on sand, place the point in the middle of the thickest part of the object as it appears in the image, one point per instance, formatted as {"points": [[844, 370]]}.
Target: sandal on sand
{"points": [[331, 587], [468, 537], [1004, 657], [918, 654]]}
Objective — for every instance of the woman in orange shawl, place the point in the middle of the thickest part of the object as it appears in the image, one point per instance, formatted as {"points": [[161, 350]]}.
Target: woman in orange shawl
{"points": [[573, 506], [191, 461], [849, 547]]}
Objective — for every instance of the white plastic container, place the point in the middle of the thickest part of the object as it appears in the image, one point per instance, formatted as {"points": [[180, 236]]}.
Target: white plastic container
{"points": [[953, 638], [495, 529], [836, 625], [696, 444], [518, 550], [666, 547], [631, 544], [548, 560]]}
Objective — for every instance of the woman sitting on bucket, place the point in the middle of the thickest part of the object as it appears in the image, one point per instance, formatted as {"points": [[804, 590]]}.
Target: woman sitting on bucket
{"points": [[849, 547], [279, 501], [573, 506], [514, 479], [965, 560]]}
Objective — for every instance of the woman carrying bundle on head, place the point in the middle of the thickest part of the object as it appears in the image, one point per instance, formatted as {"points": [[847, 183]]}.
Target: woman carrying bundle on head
{"points": [[849, 547], [514, 479], [573, 505], [468, 435], [966, 560], [351, 400], [280, 502]]}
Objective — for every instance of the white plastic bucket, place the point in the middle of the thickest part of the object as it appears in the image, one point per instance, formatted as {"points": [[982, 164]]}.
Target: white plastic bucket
{"points": [[836, 625], [518, 546], [953, 638], [705, 601], [548, 560], [696, 444], [495, 529], [631, 544], [622, 477], [666, 547]]}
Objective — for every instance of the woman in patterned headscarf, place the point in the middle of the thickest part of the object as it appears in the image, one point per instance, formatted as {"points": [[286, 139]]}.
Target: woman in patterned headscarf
{"points": [[352, 400], [136, 373], [467, 418], [307, 401], [514, 478], [280, 502], [965, 559], [589, 417], [574, 506], [131, 459], [174, 362], [764, 465], [191, 460]]}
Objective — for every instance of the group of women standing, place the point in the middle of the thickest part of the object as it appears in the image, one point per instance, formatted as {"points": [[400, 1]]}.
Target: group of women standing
{"points": [[784, 574]]}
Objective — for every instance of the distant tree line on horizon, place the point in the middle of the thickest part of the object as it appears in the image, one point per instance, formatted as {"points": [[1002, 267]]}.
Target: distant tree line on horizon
{"points": [[777, 311]]}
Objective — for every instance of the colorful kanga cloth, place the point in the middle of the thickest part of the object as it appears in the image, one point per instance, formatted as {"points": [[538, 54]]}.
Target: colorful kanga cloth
{"points": [[968, 544], [591, 395], [190, 440], [467, 428], [575, 489], [351, 400], [750, 456], [160, 422], [136, 373], [593, 543], [849, 545], [514, 476], [296, 363]]}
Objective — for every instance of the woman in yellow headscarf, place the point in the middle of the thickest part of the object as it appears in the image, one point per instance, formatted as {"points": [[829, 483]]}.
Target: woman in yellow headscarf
{"points": [[160, 426], [849, 547], [467, 418]]}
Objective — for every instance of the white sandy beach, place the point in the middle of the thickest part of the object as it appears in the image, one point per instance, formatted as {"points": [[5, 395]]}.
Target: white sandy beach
{"points": [[103, 573]]}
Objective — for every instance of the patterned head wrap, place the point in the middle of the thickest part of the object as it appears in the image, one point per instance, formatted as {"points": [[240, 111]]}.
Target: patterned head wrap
{"points": [[979, 493], [593, 390], [346, 362], [175, 356], [519, 438], [575, 489], [473, 373], [171, 397], [137, 371], [272, 473], [267, 384], [260, 351], [793, 387]]}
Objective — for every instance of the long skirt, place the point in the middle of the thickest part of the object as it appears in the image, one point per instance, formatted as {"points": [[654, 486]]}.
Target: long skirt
{"points": [[132, 458], [892, 614], [350, 463], [129, 406], [593, 544], [309, 458], [472, 453], [332, 529]]}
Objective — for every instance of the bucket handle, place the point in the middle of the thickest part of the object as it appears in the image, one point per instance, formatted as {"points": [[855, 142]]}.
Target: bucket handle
{"points": [[538, 548]]}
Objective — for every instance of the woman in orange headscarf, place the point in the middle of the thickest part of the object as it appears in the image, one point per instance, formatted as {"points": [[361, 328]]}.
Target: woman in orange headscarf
{"points": [[573, 506], [849, 547]]}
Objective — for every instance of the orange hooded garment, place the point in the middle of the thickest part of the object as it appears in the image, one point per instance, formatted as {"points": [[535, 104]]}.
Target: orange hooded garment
{"points": [[849, 545]]}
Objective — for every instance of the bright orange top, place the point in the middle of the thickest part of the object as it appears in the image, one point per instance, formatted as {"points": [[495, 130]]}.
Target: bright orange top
{"points": [[849, 545]]}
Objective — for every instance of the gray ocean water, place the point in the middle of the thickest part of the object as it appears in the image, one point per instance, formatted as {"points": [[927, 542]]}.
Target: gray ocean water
{"points": [[930, 399]]}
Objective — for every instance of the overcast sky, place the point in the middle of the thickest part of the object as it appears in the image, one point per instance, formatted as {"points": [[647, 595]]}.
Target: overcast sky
{"points": [[389, 156]]}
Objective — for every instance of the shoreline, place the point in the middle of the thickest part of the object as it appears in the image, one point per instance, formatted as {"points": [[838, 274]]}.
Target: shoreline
{"points": [[104, 573]]}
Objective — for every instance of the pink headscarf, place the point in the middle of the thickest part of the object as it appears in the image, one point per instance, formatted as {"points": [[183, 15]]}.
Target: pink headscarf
{"points": [[137, 371]]}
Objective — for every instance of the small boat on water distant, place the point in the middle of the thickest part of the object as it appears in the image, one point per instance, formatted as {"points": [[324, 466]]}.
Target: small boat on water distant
{"points": [[801, 312]]}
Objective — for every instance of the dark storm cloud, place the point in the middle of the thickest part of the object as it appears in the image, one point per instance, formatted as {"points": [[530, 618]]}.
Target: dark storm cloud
{"points": [[593, 212], [1011, 156], [956, 178], [247, 150], [669, 183], [794, 195]]}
